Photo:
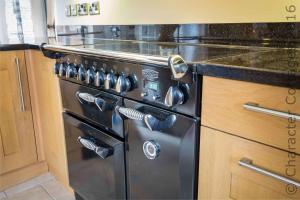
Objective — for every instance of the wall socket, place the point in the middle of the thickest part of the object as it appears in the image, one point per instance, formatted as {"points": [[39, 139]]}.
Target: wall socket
{"points": [[94, 8], [83, 9], [73, 10]]}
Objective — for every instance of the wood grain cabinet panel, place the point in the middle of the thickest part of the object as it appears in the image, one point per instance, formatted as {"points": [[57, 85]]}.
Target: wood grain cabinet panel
{"points": [[223, 108], [222, 177], [47, 111], [17, 137]]}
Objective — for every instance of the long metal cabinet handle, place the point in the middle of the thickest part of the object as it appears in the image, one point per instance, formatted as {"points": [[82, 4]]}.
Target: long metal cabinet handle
{"points": [[247, 163], [22, 106], [256, 108], [101, 151]]}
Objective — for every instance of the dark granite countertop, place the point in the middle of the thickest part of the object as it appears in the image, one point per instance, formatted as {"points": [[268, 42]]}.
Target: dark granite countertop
{"points": [[274, 66], [34, 43], [21, 46]]}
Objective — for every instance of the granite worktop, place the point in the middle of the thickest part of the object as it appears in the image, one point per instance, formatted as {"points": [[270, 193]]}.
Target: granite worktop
{"points": [[267, 65]]}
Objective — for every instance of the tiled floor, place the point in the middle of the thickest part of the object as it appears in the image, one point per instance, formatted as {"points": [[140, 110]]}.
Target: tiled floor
{"points": [[43, 187]]}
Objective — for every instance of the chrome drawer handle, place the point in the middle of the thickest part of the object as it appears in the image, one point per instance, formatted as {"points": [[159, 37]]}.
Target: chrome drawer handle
{"points": [[22, 107], [137, 115], [151, 122], [256, 108], [101, 151], [247, 163], [100, 103]]}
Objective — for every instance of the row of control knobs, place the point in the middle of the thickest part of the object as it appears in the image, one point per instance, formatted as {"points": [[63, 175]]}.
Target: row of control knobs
{"points": [[97, 77], [174, 96]]}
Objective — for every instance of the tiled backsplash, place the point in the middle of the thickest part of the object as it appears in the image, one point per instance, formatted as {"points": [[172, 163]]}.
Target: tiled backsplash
{"points": [[261, 34]]}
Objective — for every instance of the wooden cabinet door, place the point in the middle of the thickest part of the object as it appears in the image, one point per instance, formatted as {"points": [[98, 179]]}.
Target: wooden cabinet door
{"points": [[17, 139], [222, 174]]}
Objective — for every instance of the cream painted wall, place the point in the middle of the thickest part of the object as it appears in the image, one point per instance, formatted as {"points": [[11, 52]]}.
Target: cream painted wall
{"points": [[181, 11]]}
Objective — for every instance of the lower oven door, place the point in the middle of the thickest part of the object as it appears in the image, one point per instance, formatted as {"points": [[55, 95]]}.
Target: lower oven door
{"points": [[95, 161], [161, 152]]}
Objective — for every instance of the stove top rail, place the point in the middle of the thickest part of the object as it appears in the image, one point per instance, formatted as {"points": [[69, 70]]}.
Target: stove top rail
{"points": [[156, 60]]}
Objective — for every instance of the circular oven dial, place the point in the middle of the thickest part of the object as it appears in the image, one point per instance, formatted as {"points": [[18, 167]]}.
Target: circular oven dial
{"points": [[110, 81], [123, 84], [89, 76], [174, 96], [81, 73], [71, 71], [99, 78]]}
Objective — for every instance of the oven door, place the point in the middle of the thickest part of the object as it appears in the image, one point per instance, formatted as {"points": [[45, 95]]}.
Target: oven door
{"points": [[94, 105], [161, 153], [95, 161]]}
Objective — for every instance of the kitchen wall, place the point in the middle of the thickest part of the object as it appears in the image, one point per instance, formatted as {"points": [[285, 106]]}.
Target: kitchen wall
{"points": [[126, 12]]}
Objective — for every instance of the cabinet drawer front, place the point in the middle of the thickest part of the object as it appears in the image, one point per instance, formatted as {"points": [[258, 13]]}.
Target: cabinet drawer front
{"points": [[221, 165], [262, 113]]}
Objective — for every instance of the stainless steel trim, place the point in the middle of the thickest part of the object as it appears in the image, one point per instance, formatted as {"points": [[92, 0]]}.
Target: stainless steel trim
{"points": [[178, 66], [131, 113], [151, 149], [137, 115], [256, 108], [110, 54], [101, 151], [22, 106], [247, 163], [89, 98]]}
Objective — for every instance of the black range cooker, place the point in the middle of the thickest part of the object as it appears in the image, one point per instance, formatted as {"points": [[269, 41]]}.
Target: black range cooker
{"points": [[131, 129]]}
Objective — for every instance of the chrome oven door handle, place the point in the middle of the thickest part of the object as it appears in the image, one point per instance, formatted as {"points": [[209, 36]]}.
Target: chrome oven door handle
{"points": [[151, 122], [247, 163], [130, 113], [101, 151], [100, 103], [257, 108]]}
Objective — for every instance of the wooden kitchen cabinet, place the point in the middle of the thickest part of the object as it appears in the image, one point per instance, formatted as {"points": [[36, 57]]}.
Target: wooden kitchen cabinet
{"points": [[222, 177], [18, 145], [47, 113], [17, 141], [226, 103]]}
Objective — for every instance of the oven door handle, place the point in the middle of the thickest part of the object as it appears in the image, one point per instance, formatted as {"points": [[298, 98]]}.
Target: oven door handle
{"points": [[151, 122], [99, 102], [100, 151]]}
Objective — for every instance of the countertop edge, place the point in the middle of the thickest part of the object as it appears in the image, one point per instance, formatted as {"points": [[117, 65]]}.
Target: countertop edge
{"points": [[15, 47], [281, 79]]}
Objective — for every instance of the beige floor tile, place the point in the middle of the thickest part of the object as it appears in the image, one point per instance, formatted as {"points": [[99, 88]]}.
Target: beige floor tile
{"points": [[57, 191], [28, 184], [2, 195], [36, 193]]}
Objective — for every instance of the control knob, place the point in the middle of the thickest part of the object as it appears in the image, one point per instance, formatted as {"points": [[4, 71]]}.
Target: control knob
{"points": [[123, 84], [89, 76], [56, 68], [174, 96], [81, 73], [99, 78], [62, 70], [71, 71], [110, 81]]}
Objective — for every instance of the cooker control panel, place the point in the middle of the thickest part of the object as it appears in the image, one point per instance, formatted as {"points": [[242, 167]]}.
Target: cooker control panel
{"points": [[146, 83], [105, 75]]}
